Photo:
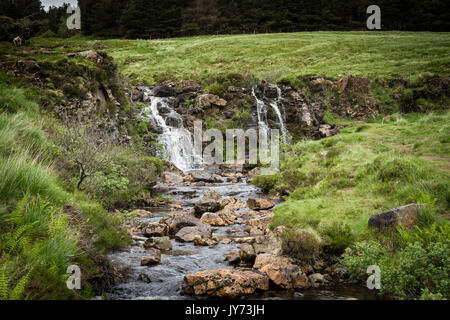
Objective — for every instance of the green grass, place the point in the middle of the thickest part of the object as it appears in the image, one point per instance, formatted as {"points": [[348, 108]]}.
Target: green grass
{"points": [[368, 169], [273, 56], [38, 239]]}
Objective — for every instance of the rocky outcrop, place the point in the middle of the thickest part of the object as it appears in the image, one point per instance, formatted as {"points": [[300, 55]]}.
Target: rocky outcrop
{"points": [[225, 283], [282, 271], [260, 204], [406, 216], [153, 257]]}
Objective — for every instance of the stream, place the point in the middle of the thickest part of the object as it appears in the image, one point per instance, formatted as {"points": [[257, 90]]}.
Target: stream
{"points": [[163, 281]]}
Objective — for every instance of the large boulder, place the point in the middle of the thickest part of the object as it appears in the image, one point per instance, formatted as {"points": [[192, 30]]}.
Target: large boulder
{"points": [[188, 234], [177, 221], [225, 283], [260, 204], [153, 257], [220, 218], [161, 243], [210, 202], [406, 216], [282, 271]]}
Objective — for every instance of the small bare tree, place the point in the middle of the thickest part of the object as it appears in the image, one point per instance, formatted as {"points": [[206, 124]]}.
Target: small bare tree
{"points": [[87, 147]]}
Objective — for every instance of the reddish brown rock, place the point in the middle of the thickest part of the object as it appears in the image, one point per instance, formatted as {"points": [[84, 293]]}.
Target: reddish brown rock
{"points": [[282, 271], [260, 204], [225, 283]]}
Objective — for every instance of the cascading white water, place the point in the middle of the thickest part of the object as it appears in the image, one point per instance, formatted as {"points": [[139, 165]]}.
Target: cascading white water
{"points": [[176, 140], [262, 112], [274, 105]]}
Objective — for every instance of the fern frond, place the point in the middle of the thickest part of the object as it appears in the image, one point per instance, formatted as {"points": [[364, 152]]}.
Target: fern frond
{"points": [[4, 283], [18, 291]]}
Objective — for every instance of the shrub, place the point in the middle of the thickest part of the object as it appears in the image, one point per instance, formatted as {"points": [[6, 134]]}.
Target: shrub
{"points": [[304, 244], [267, 183]]}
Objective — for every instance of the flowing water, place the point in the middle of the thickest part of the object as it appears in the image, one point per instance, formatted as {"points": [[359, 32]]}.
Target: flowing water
{"points": [[176, 140], [262, 112]]}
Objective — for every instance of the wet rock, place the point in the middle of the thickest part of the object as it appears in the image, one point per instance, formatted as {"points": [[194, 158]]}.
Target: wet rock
{"points": [[247, 253], [153, 257], [156, 229], [405, 215], [220, 218], [161, 243], [204, 177], [211, 202], [260, 204], [224, 283], [199, 241], [281, 271], [164, 91], [178, 221], [188, 234], [233, 258], [172, 178]]}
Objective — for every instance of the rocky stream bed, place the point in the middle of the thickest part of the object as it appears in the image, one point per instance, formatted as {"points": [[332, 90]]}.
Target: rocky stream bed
{"points": [[210, 240]]}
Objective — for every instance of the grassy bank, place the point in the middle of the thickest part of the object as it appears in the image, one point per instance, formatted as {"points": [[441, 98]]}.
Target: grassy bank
{"points": [[284, 56], [47, 223], [337, 183], [272, 57]]}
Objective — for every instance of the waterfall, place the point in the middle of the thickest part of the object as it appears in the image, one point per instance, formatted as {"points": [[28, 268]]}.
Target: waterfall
{"points": [[176, 140], [262, 112], [274, 104]]}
